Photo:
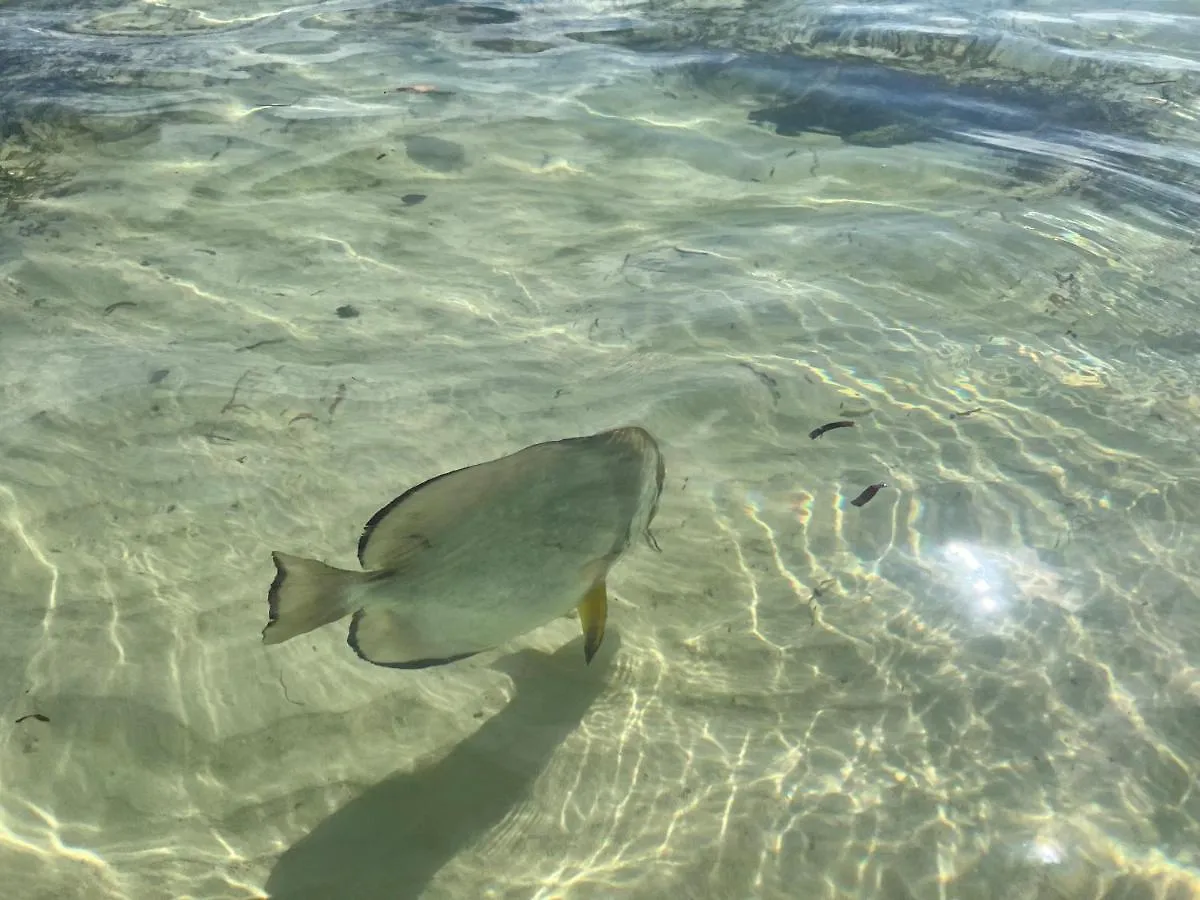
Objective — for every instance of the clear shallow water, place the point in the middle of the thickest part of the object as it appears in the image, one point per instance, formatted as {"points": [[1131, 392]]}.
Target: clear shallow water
{"points": [[984, 683]]}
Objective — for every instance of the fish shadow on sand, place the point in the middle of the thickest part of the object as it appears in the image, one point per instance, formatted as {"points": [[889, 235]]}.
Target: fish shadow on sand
{"points": [[393, 839]]}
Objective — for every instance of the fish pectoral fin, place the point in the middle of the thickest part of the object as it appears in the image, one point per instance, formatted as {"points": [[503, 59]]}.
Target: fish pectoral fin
{"points": [[384, 639], [593, 613]]}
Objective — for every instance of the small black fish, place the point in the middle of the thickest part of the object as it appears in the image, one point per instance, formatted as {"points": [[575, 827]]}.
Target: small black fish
{"points": [[829, 426], [37, 716], [865, 497]]}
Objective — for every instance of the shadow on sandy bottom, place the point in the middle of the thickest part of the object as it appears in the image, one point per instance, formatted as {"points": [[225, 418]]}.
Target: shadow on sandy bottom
{"points": [[390, 841]]}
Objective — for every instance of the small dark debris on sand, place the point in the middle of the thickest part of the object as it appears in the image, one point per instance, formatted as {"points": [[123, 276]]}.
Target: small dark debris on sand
{"points": [[347, 312]]}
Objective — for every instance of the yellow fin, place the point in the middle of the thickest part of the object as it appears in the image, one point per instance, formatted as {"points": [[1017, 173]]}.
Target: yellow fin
{"points": [[593, 612]]}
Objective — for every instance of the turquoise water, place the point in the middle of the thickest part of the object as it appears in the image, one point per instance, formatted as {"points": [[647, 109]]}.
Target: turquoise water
{"points": [[262, 268]]}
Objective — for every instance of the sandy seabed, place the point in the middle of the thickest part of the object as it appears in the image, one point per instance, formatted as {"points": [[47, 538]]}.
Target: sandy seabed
{"points": [[236, 330]]}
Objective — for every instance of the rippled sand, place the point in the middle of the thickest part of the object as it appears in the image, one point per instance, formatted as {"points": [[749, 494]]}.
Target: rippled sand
{"points": [[234, 326]]}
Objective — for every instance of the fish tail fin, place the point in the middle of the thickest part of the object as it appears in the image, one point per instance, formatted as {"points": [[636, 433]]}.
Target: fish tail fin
{"points": [[306, 594]]}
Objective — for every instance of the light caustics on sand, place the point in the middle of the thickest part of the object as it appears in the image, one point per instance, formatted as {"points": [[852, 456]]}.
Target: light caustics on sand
{"points": [[43, 838], [17, 526], [985, 580]]}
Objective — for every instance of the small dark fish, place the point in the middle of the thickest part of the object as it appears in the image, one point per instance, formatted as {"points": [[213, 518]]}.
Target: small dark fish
{"points": [[865, 497], [412, 199], [257, 344], [966, 412], [829, 426], [37, 716]]}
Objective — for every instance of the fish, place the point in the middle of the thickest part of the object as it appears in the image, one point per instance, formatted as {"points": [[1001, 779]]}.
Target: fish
{"points": [[473, 558], [868, 492], [817, 432]]}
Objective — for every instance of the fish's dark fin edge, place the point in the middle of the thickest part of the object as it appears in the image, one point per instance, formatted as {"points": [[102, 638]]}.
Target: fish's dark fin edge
{"points": [[372, 523], [660, 479], [304, 595], [273, 591], [352, 641]]}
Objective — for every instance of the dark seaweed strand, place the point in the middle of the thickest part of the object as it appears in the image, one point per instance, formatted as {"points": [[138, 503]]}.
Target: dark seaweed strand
{"points": [[829, 426], [865, 497]]}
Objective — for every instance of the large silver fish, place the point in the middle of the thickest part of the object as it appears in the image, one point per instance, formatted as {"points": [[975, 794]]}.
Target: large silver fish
{"points": [[476, 557]]}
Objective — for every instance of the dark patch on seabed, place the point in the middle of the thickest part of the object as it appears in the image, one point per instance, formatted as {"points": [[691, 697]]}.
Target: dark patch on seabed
{"points": [[1105, 118], [870, 104], [805, 72], [391, 840]]}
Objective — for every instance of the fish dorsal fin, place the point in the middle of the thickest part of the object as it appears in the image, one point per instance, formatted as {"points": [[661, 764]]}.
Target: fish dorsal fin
{"points": [[421, 516], [389, 535], [425, 511]]}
